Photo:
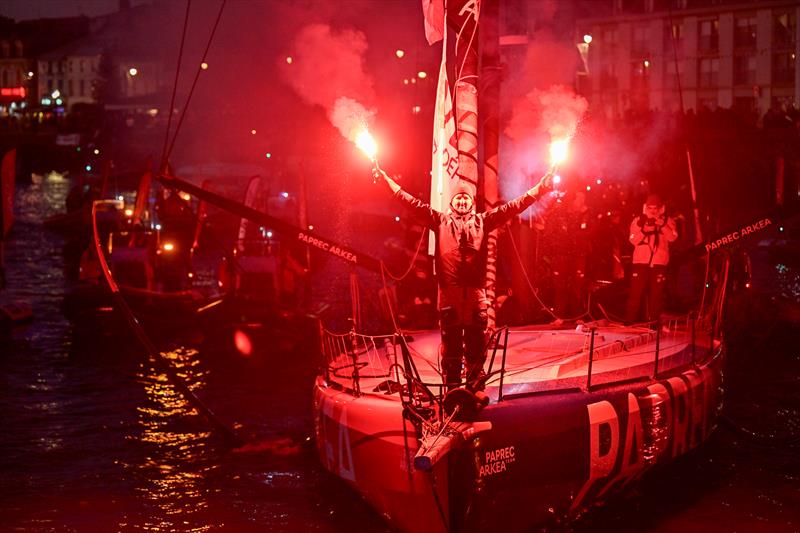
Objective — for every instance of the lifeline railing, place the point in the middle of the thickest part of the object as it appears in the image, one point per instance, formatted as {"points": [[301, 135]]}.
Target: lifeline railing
{"points": [[353, 357], [389, 356]]}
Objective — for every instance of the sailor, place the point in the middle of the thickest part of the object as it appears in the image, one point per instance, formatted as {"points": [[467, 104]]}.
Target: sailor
{"points": [[461, 269], [650, 233]]}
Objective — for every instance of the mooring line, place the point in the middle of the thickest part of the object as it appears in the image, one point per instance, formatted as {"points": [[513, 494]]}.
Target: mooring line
{"points": [[122, 306]]}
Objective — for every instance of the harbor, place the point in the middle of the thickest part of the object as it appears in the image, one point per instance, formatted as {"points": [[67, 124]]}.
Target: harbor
{"points": [[281, 304]]}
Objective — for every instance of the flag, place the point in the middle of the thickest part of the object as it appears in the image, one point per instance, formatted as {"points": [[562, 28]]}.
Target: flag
{"points": [[433, 11], [445, 146]]}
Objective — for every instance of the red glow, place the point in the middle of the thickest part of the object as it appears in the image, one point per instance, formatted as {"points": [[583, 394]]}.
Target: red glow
{"points": [[243, 343], [13, 91]]}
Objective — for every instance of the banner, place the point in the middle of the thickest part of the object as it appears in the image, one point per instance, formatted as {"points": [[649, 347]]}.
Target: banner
{"points": [[445, 151]]}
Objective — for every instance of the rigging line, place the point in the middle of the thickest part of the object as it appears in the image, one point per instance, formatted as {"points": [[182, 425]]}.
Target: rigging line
{"points": [[675, 54], [175, 86], [413, 260], [533, 291], [152, 351], [388, 299], [194, 82]]}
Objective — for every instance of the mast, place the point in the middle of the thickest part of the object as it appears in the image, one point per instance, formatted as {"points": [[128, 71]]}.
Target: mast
{"points": [[490, 134], [462, 17]]}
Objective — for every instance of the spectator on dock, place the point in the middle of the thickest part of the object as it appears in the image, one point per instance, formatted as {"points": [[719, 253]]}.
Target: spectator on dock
{"points": [[650, 233], [461, 267]]}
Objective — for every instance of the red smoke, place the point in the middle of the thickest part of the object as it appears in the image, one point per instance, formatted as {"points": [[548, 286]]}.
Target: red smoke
{"points": [[556, 111], [327, 70]]}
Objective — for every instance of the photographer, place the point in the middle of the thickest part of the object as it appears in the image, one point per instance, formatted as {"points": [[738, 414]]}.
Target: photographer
{"points": [[651, 232]]}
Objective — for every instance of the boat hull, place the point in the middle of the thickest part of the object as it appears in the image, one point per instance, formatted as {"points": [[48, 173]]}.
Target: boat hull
{"points": [[548, 456]]}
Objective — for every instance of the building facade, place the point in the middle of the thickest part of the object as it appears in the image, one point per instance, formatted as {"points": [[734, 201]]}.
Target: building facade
{"points": [[680, 54]]}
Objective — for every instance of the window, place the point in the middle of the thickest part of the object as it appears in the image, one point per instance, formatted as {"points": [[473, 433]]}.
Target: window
{"points": [[5, 79], [640, 74], [783, 67], [709, 35], [18, 49], [744, 69], [670, 76], [608, 76], [744, 35], [708, 72], [82, 87], [49, 86], [70, 88], [673, 31], [784, 30], [81, 65], [640, 40], [6, 49]]}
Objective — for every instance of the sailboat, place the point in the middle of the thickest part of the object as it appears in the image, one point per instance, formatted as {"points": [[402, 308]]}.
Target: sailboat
{"points": [[568, 416], [151, 263]]}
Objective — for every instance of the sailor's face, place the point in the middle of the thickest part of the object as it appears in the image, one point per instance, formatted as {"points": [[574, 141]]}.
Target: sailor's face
{"points": [[652, 211], [461, 203]]}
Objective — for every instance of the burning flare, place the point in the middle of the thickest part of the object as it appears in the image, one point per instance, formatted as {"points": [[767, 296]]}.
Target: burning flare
{"points": [[558, 151], [366, 143]]}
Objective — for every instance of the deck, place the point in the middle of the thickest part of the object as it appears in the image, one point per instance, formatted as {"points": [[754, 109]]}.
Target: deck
{"points": [[537, 359]]}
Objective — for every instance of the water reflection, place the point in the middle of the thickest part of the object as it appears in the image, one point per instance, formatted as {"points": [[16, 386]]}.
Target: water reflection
{"points": [[173, 473]]}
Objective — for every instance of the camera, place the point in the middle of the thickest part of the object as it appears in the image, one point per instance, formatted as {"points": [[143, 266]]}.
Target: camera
{"points": [[646, 221]]}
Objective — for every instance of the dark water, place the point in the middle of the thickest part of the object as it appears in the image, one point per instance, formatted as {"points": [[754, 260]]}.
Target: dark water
{"points": [[95, 439]]}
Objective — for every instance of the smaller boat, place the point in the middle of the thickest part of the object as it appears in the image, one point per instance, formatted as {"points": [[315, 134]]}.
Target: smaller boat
{"points": [[150, 261]]}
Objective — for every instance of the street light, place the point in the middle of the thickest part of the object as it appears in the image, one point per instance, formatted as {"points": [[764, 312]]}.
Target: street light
{"points": [[133, 71]]}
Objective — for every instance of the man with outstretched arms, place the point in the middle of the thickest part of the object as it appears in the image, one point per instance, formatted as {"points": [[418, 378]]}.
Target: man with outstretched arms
{"points": [[461, 269]]}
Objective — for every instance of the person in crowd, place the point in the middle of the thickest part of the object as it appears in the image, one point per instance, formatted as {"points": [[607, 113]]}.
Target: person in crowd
{"points": [[571, 246], [461, 268], [650, 233]]}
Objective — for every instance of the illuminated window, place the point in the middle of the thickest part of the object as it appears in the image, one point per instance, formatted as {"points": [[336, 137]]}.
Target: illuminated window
{"points": [[673, 31], [709, 35], [784, 30]]}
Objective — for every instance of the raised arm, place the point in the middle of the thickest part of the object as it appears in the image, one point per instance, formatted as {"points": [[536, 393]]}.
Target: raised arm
{"points": [[501, 214], [419, 209]]}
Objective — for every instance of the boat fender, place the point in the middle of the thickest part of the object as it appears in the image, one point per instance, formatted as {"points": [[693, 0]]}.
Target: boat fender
{"points": [[467, 403]]}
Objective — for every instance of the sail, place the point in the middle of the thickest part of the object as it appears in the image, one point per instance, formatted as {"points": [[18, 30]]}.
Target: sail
{"points": [[7, 177]]}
